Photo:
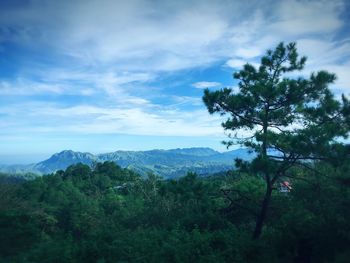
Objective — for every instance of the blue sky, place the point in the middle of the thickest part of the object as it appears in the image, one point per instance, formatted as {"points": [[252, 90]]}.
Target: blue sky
{"points": [[103, 75]]}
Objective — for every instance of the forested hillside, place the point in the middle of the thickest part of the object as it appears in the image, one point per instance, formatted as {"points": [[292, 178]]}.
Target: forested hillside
{"points": [[166, 163], [110, 214]]}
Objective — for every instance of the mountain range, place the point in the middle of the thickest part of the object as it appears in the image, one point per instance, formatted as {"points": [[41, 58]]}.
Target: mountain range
{"points": [[166, 163]]}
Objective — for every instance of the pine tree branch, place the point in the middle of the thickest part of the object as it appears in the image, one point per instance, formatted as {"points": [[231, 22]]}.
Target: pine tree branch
{"points": [[236, 202]]}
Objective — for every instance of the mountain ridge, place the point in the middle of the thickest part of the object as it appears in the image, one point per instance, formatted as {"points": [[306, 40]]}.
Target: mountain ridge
{"points": [[166, 163]]}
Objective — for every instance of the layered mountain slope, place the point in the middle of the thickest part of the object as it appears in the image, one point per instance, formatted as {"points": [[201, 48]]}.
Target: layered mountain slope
{"points": [[60, 161], [166, 163]]}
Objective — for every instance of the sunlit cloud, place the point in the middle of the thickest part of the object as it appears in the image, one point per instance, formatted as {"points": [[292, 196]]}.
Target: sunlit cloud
{"points": [[87, 119], [205, 84]]}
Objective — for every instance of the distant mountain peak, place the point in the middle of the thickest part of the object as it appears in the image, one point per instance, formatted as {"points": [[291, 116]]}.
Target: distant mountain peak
{"points": [[71, 152], [198, 151], [166, 163], [63, 159]]}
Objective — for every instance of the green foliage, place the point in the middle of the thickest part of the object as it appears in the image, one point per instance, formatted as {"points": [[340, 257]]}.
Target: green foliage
{"points": [[110, 214], [296, 117], [293, 121]]}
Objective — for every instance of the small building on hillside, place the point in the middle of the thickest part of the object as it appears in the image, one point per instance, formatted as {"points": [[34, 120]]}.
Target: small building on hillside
{"points": [[285, 187]]}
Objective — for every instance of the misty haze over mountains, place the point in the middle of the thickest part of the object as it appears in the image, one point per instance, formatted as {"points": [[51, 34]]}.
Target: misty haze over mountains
{"points": [[166, 163]]}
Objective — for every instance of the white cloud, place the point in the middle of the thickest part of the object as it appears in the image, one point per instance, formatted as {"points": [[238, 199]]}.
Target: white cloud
{"points": [[295, 18], [238, 63], [25, 87], [143, 36], [314, 25], [86, 119], [206, 84], [118, 32], [104, 86], [182, 100], [327, 55]]}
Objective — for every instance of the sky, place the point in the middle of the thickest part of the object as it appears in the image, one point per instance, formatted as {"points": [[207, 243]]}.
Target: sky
{"points": [[101, 75]]}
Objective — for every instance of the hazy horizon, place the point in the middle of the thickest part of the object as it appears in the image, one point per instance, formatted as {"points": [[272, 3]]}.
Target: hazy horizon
{"points": [[24, 159]]}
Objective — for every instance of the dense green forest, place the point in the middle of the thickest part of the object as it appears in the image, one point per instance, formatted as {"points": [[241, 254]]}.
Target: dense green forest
{"points": [[110, 214]]}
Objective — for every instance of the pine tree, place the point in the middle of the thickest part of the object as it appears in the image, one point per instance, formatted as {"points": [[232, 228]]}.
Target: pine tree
{"points": [[293, 121]]}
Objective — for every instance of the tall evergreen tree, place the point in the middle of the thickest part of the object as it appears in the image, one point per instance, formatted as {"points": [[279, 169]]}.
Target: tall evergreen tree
{"points": [[293, 121]]}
